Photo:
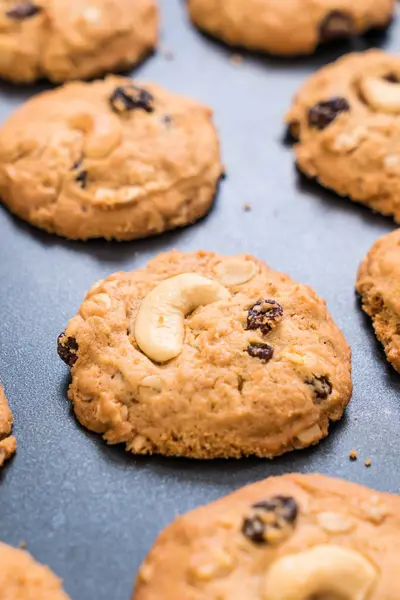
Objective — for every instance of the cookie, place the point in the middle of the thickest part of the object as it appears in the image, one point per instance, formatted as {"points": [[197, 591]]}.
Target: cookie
{"points": [[70, 39], [22, 578], [8, 443], [347, 119], [110, 159], [293, 537], [288, 27], [206, 356], [378, 283]]}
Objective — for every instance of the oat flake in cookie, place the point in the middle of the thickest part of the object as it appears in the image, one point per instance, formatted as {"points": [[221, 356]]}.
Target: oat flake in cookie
{"points": [[8, 443], [206, 356], [294, 537], [378, 283], [347, 121], [22, 578], [288, 27], [74, 39], [113, 159]]}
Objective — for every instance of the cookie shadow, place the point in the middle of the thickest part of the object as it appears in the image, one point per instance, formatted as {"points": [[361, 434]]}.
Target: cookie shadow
{"points": [[332, 200], [392, 377]]}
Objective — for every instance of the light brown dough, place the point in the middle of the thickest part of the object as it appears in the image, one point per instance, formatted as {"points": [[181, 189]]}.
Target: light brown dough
{"points": [[8, 443]]}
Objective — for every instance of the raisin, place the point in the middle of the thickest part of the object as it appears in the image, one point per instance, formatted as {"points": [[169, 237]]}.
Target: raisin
{"points": [[270, 521], [130, 97], [322, 386], [24, 10], [67, 348], [81, 178], [391, 78], [167, 121], [336, 25], [264, 352], [324, 113], [264, 315]]}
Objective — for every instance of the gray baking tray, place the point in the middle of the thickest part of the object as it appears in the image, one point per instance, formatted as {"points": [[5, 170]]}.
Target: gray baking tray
{"points": [[91, 511]]}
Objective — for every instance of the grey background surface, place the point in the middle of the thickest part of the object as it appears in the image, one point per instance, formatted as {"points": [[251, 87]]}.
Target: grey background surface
{"points": [[90, 511]]}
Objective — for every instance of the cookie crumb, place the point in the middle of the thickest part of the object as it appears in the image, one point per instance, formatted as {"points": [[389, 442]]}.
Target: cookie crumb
{"points": [[368, 463], [22, 545], [237, 60], [247, 207], [353, 455]]}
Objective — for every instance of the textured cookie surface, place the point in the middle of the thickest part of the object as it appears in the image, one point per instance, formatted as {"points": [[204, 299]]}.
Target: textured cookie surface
{"points": [[294, 537], [8, 444], [347, 119], [73, 39], [288, 26], [22, 578], [257, 365], [378, 283], [109, 159]]}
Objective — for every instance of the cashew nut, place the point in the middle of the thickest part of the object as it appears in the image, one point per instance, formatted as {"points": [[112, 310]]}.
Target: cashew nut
{"points": [[159, 327], [103, 132], [235, 271], [381, 94], [325, 569]]}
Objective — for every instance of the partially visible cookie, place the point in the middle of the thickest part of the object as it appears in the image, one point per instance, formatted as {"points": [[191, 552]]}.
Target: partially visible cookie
{"points": [[288, 27], [112, 159], [22, 578], [378, 283], [8, 443], [347, 120], [294, 537], [206, 356], [72, 39]]}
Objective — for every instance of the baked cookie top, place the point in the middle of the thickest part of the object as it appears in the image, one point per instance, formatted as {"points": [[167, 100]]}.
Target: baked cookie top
{"points": [[293, 537], [73, 39], [206, 356], [347, 119], [288, 26], [112, 159], [378, 282], [22, 578], [8, 443]]}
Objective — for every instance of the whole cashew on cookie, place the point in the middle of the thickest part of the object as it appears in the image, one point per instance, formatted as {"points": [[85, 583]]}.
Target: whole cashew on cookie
{"points": [[331, 570], [159, 327]]}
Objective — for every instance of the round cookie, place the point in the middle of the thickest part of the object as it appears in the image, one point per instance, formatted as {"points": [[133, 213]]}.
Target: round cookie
{"points": [[73, 39], [378, 283], [293, 537], [22, 578], [347, 120], [288, 27], [8, 443], [109, 159], [206, 356]]}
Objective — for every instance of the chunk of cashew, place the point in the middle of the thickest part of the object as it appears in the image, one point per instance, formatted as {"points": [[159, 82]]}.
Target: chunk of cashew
{"points": [[159, 327], [325, 569], [380, 94], [103, 132]]}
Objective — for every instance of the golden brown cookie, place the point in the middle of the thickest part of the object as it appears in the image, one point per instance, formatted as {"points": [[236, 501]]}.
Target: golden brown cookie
{"points": [[109, 159], [288, 27], [74, 39], [22, 578], [347, 119], [294, 537], [8, 443], [378, 283], [206, 356]]}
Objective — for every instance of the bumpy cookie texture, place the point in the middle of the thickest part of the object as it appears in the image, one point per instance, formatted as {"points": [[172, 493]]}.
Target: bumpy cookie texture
{"points": [[288, 27], [113, 159], [8, 443], [206, 356], [294, 537], [22, 578], [378, 283], [347, 120], [73, 39]]}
